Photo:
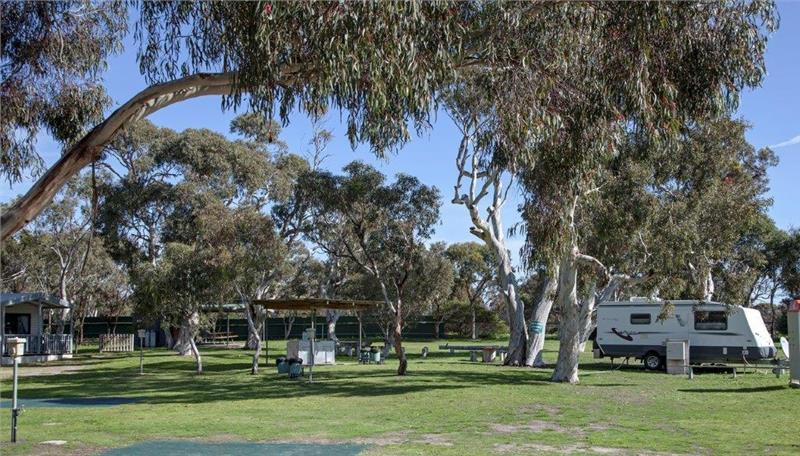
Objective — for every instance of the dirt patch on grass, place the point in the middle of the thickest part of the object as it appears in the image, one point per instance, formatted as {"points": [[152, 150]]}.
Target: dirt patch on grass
{"points": [[47, 449], [434, 439], [549, 410], [511, 448], [390, 438], [533, 426], [541, 425], [626, 396], [36, 371]]}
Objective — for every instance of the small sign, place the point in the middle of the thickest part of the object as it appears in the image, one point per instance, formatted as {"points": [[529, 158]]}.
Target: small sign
{"points": [[141, 333], [536, 327]]}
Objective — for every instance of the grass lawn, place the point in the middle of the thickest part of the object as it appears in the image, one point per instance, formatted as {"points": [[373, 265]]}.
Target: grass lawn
{"points": [[446, 405]]}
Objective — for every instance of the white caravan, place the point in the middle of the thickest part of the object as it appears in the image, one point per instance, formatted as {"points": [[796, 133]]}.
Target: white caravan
{"points": [[716, 332]]}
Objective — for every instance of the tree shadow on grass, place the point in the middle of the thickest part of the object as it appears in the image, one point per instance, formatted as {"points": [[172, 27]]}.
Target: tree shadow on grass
{"points": [[755, 389], [172, 381]]}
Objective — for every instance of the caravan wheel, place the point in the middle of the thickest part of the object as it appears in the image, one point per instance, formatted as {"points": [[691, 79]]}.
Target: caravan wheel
{"points": [[653, 361]]}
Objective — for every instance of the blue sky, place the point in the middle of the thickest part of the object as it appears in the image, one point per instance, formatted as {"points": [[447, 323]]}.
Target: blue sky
{"points": [[773, 110]]}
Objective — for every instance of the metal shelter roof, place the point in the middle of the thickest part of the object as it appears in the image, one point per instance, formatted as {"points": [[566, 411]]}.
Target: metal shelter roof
{"points": [[43, 299], [316, 303]]}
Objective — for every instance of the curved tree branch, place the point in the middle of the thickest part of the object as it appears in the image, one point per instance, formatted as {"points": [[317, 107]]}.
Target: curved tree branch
{"points": [[91, 145]]}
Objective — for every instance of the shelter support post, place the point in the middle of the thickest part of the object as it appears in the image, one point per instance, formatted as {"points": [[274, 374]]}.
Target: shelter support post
{"points": [[266, 339], [3, 329], [311, 354], [358, 349]]}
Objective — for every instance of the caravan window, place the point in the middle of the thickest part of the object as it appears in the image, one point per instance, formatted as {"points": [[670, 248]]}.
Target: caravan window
{"points": [[640, 319], [710, 320]]}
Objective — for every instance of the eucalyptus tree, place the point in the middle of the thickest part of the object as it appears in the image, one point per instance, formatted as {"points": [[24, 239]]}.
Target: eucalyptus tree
{"points": [[383, 228], [385, 63], [176, 288], [433, 284], [790, 264], [485, 176], [139, 195], [474, 267], [654, 216], [717, 183], [64, 232]]}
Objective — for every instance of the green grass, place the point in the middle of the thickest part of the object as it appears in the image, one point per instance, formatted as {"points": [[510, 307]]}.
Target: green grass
{"points": [[446, 405]]}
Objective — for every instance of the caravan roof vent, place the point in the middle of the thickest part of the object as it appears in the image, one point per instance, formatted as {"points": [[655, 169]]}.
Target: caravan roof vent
{"points": [[640, 299]]}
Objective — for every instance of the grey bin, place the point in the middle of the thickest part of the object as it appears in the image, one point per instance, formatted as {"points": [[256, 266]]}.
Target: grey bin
{"points": [[282, 364], [295, 368], [375, 356]]}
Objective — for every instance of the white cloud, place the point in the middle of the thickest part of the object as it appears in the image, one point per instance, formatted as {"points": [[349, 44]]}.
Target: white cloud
{"points": [[790, 142]]}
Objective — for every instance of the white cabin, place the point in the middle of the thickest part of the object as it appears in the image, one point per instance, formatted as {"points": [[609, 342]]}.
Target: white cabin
{"points": [[21, 316], [716, 332]]}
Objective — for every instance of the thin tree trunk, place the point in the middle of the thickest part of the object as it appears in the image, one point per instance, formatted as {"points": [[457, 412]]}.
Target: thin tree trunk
{"points": [[708, 286], [398, 340], [253, 338], [255, 322], [518, 333], [474, 328], [197, 358], [256, 358], [287, 327], [586, 322], [191, 326], [772, 308], [569, 330], [63, 314], [541, 313]]}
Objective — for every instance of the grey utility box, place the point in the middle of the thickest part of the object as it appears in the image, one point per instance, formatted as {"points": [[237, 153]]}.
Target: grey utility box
{"points": [[677, 356]]}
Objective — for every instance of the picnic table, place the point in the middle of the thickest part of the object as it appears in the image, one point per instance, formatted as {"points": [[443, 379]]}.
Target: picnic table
{"points": [[213, 337], [489, 351]]}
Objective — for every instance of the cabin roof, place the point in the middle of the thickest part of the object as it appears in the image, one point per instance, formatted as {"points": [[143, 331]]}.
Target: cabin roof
{"points": [[42, 299]]}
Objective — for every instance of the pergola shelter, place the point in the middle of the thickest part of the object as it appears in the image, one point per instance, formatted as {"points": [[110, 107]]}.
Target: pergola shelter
{"points": [[312, 305]]}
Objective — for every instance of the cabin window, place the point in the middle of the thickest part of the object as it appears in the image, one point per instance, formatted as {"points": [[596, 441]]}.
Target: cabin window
{"points": [[640, 319], [710, 320], [18, 323]]}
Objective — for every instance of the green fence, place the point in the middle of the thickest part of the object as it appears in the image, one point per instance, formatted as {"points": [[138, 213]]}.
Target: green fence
{"points": [[346, 327]]}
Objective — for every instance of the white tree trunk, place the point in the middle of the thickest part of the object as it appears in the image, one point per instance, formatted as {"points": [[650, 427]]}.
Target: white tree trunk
{"points": [[708, 286], [587, 323], [256, 318], [538, 324], [518, 332], [253, 336], [197, 358], [185, 345], [331, 317], [63, 314], [569, 330]]}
